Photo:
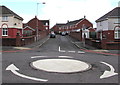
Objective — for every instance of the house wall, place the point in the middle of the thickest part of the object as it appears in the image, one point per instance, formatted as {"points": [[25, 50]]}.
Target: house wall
{"points": [[76, 35], [11, 22], [12, 32], [17, 22], [12, 28], [103, 25], [107, 30], [86, 22], [112, 22], [56, 29]]}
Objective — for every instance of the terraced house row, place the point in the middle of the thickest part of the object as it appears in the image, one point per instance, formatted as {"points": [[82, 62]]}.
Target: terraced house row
{"points": [[82, 27], [17, 33]]}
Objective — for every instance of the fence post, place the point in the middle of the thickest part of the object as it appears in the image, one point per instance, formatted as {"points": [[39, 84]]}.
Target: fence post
{"points": [[18, 40]]}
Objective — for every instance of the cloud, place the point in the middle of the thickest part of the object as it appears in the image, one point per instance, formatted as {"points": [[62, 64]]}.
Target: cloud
{"points": [[59, 11], [7, 1], [62, 10], [27, 17]]}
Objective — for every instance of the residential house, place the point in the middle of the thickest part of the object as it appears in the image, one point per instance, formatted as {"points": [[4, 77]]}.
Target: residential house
{"points": [[28, 31], [10, 23], [36, 27], [57, 27], [46, 24], [108, 29], [10, 26]]}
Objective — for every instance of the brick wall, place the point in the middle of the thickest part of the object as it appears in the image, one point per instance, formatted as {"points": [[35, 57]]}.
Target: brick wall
{"points": [[92, 42], [76, 35], [113, 45], [8, 41]]}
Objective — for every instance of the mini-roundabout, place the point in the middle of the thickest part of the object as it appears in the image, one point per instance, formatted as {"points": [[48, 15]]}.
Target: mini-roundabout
{"points": [[61, 65]]}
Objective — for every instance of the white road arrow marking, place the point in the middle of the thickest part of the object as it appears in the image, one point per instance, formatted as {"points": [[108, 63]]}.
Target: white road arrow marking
{"points": [[14, 70], [110, 73], [59, 48]]}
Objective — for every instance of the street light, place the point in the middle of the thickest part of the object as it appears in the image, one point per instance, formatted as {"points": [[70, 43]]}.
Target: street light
{"points": [[37, 20]]}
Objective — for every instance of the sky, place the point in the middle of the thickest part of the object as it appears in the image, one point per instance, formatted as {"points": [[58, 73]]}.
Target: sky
{"points": [[60, 11]]}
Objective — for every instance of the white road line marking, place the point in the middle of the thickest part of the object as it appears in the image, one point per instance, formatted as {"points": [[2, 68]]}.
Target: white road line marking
{"points": [[62, 51], [110, 73], [65, 57], [38, 56], [80, 52], [59, 48], [14, 69], [71, 51]]}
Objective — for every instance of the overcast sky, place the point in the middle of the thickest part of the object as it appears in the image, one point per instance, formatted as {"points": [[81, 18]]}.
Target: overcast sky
{"points": [[59, 11]]}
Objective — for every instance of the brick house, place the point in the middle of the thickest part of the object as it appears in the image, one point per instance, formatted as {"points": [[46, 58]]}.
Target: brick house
{"points": [[12, 29], [10, 23], [36, 27], [108, 29], [76, 28], [56, 28], [46, 24], [28, 31]]}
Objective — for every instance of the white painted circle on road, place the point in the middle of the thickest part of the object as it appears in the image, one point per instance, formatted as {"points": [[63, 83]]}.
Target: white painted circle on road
{"points": [[61, 65]]}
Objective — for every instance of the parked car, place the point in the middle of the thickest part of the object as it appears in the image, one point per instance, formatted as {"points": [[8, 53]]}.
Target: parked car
{"points": [[52, 35], [63, 34]]}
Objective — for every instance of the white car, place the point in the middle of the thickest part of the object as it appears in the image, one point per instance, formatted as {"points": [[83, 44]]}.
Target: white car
{"points": [[63, 33], [52, 35]]}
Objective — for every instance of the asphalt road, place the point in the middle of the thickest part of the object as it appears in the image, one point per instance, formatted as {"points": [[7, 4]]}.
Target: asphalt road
{"points": [[52, 49]]}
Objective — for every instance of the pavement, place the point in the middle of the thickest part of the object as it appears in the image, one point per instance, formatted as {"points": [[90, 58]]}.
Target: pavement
{"points": [[88, 48]]}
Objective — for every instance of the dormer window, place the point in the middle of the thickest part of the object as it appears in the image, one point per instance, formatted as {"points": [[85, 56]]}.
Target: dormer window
{"points": [[5, 18]]}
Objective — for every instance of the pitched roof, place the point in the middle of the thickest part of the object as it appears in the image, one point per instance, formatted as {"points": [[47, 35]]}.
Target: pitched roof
{"points": [[74, 22], [33, 23], [113, 13], [60, 24], [68, 23], [7, 12]]}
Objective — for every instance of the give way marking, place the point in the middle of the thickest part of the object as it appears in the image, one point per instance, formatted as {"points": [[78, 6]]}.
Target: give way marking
{"points": [[79, 52], [110, 73], [14, 70]]}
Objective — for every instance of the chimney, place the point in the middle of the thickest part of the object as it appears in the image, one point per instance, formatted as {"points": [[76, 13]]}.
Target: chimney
{"points": [[35, 16], [84, 17], [68, 21]]}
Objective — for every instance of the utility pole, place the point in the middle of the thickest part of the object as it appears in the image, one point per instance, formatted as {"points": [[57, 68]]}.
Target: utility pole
{"points": [[37, 21]]}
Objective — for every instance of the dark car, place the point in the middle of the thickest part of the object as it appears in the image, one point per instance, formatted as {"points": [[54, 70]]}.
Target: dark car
{"points": [[52, 35]]}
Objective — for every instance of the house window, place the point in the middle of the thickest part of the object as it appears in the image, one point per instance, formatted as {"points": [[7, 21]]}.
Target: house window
{"points": [[117, 33], [46, 24], [46, 28], [5, 18], [4, 32], [27, 32]]}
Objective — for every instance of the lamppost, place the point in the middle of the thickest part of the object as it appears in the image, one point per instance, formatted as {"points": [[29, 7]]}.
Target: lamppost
{"points": [[37, 35]]}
